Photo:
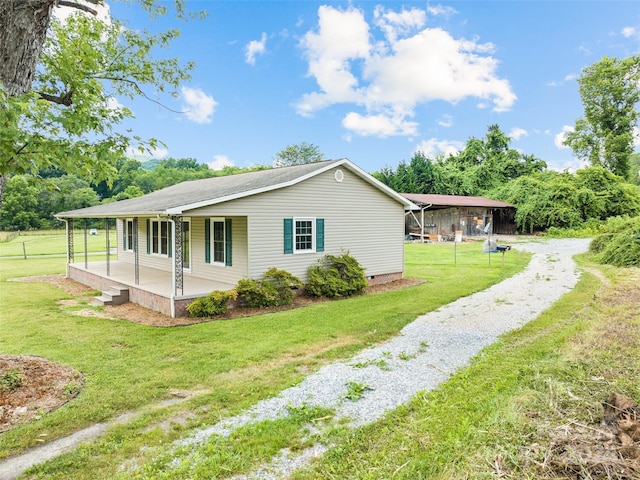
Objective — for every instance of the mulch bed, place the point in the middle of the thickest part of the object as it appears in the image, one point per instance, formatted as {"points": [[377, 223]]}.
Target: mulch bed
{"points": [[143, 316], [31, 386]]}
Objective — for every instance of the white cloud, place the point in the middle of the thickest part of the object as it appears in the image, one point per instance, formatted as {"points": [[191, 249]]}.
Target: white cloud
{"points": [[446, 121], [568, 78], [629, 32], [198, 106], [561, 137], [219, 162], [389, 78], [255, 47], [144, 154], [517, 133], [434, 147], [441, 10], [380, 125], [114, 104], [402, 23]]}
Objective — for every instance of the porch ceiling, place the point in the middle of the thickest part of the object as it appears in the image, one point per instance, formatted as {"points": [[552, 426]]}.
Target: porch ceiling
{"points": [[152, 280]]}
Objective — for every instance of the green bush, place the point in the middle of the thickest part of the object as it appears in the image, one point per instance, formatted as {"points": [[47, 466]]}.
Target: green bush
{"points": [[275, 289], [336, 276], [213, 304], [619, 243], [10, 380]]}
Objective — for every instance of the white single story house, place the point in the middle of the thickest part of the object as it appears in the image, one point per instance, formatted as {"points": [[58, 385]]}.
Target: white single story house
{"points": [[184, 241]]}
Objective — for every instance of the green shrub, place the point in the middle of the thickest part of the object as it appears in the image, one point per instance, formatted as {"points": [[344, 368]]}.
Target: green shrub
{"points": [[275, 289], [336, 276], [619, 243], [213, 304], [10, 380]]}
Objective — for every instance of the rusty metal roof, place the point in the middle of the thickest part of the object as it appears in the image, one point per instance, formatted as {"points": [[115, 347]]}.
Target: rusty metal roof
{"points": [[442, 201]]}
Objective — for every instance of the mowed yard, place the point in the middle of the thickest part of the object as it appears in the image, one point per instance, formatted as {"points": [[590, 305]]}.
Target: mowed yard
{"points": [[223, 367]]}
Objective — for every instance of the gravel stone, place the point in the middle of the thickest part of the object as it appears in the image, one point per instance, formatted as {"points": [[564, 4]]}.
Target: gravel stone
{"points": [[425, 354]]}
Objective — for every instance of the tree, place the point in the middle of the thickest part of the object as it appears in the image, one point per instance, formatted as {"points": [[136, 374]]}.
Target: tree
{"points": [[56, 97], [298, 154], [483, 165], [19, 210], [610, 91]]}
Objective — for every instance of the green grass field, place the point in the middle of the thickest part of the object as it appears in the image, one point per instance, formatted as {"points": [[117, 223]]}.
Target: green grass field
{"points": [[34, 244], [493, 419]]}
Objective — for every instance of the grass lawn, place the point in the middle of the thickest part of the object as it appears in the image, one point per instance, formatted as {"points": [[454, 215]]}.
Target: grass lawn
{"points": [[54, 243], [226, 366]]}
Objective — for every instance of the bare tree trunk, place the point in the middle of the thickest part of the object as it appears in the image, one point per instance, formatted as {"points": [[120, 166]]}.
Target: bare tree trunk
{"points": [[23, 29]]}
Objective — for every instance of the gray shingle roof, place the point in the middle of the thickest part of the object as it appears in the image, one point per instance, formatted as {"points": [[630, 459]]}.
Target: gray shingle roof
{"points": [[197, 193]]}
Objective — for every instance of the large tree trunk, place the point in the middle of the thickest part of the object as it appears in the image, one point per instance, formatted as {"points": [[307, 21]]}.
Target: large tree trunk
{"points": [[23, 29]]}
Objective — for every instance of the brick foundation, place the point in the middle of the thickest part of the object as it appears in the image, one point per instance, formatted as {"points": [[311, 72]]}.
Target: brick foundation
{"points": [[144, 298]]}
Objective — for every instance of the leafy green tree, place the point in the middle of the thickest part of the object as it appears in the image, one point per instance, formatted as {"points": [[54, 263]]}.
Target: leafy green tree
{"points": [[132, 191], [634, 170], [567, 200], [58, 194], [481, 166], [56, 106], [298, 154], [19, 210], [610, 91]]}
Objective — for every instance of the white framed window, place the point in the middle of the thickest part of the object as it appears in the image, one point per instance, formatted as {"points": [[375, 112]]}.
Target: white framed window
{"points": [[304, 237], [218, 242], [186, 244], [128, 244], [160, 234], [217, 245]]}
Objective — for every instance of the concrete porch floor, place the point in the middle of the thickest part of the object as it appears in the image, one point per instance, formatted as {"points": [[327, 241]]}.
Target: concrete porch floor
{"points": [[152, 280]]}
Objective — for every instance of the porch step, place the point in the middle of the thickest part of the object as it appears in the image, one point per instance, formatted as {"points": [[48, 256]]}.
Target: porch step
{"points": [[114, 296]]}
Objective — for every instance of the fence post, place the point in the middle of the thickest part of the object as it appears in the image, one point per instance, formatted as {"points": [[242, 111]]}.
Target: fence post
{"points": [[24, 250]]}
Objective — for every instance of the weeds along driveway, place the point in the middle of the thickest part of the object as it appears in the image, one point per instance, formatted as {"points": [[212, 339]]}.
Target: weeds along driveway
{"points": [[425, 354]]}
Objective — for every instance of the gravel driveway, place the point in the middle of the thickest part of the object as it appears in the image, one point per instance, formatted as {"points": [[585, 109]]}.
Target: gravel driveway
{"points": [[425, 354]]}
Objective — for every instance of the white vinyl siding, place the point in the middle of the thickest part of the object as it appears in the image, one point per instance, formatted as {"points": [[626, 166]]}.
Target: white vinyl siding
{"points": [[230, 273], [358, 217]]}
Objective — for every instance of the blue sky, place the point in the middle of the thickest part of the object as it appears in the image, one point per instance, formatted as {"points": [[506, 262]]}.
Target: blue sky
{"points": [[375, 81]]}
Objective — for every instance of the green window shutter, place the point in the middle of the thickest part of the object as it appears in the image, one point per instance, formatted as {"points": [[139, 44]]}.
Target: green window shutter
{"points": [[227, 242], [124, 235], [319, 234], [148, 236], [288, 235], [207, 240], [170, 238]]}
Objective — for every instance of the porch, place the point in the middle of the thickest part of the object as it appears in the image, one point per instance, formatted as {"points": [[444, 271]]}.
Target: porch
{"points": [[154, 289]]}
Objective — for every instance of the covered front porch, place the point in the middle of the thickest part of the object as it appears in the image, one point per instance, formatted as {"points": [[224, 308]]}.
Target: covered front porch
{"points": [[153, 288]]}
